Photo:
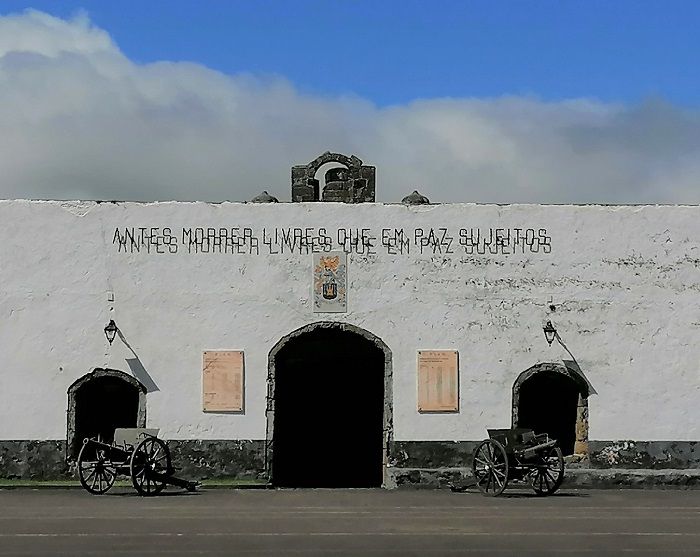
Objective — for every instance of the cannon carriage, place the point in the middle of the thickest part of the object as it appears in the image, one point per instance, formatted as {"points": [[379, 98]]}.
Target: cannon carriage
{"points": [[519, 455], [135, 452]]}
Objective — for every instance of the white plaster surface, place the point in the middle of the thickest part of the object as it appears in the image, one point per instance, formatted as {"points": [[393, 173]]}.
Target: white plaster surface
{"points": [[625, 281]]}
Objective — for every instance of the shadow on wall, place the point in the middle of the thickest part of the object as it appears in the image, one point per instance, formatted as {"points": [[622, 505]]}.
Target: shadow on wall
{"points": [[136, 367]]}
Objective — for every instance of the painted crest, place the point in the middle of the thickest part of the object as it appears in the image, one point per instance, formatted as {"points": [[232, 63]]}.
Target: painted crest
{"points": [[330, 282]]}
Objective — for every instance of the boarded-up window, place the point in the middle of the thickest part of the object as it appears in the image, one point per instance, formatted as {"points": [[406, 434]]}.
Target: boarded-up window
{"points": [[222, 381], [438, 381]]}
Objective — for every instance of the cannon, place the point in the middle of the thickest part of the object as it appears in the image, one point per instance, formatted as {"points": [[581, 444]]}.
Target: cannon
{"points": [[519, 455], [135, 452]]}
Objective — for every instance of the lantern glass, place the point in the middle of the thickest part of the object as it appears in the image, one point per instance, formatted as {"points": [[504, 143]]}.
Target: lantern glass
{"points": [[111, 331], [549, 332]]}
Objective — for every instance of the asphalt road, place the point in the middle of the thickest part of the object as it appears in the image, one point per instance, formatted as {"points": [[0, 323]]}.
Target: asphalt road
{"points": [[349, 522]]}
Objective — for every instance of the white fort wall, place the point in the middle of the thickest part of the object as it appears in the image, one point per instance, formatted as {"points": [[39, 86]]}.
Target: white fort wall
{"points": [[624, 281]]}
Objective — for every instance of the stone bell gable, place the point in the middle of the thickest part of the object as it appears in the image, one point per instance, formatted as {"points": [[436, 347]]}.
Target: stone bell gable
{"points": [[354, 182]]}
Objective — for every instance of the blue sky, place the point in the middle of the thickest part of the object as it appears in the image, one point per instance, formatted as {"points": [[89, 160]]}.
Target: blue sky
{"points": [[509, 102], [395, 52]]}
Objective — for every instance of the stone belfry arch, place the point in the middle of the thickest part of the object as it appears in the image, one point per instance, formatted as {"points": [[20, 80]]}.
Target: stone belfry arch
{"points": [[355, 183]]}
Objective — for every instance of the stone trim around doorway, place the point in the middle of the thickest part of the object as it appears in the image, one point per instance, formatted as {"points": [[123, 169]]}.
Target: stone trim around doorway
{"points": [[388, 420]]}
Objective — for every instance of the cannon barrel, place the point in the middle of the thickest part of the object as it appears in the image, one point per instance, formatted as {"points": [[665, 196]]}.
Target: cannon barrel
{"points": [[532, 451], [107, 446]]}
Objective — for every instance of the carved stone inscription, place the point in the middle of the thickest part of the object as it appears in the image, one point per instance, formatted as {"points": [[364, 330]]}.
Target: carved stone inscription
{"points": [[222, 381], [438, 381]]}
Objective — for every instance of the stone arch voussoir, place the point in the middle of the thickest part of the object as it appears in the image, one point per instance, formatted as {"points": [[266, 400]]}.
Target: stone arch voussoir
{"points": [[352, 163]]}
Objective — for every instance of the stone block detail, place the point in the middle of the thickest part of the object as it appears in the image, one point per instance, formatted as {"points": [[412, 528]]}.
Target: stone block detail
{"points": [[200, 460], [34, 460], [653, 455], [432, 454]]}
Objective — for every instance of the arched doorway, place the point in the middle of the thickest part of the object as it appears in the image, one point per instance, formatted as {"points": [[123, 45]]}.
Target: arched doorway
{"points": [[329, 408], [549, 398], [100, 402]]}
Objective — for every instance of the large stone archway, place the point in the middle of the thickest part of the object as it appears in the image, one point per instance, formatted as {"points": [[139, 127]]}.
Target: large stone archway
{"points": [[549, 393], [120, 398], [330, 401]]}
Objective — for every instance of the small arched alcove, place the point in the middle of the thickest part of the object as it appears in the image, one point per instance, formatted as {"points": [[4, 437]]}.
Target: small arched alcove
{"points": [[335, 182], [100, 402], [329, 408], [549, 398], [349, 180]]}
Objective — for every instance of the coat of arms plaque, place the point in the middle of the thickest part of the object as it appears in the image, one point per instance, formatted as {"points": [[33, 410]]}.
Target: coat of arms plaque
{"points": [[330, 282]]}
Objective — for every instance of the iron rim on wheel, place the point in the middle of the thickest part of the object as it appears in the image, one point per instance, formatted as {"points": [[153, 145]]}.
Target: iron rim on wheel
{"points": [[548, 475], [95, 472], [150, 459], [490, 467]]}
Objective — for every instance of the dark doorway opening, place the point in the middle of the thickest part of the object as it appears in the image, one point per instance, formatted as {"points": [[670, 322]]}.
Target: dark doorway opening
{"points": [[548, 403], [99, 405], [329, 410]]}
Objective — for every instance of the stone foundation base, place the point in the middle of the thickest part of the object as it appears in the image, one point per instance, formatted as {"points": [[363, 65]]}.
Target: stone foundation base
{"points": [[34, 460], [416, 464], [205, 460], [576, 478], [198, 460]]}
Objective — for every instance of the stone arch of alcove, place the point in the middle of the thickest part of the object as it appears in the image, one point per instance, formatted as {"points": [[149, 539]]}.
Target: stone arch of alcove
{"points": [[106, 383], [547, 385], [342, 329], [353, 164]]}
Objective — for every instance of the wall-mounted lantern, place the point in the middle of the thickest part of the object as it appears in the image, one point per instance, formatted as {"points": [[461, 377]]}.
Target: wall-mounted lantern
{"points": [[549, 332], [111, 331]]}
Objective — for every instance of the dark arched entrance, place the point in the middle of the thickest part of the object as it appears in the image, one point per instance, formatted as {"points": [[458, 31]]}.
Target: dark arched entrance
{"points": [[549, 398], [100, 402], [328, 422]]}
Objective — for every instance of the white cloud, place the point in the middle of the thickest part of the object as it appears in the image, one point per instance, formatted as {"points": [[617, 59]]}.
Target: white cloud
{"points": [[80, 120]]}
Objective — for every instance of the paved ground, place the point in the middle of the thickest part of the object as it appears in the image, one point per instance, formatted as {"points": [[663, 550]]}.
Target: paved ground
{"points": [[349, 522]]}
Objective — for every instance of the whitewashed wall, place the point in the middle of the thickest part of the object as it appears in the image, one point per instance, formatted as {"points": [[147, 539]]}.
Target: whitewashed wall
{"points": [[625, 282]]}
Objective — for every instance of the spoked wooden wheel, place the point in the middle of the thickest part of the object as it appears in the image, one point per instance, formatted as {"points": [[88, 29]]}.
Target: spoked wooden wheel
{"points": [[548, 474], [150, 461], [95, 470], [490, 467]]}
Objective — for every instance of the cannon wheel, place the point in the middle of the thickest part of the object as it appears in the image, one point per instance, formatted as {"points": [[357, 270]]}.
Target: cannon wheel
{"points": [[150, 455], [96, 472], [490, 467], [548, 473]]}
